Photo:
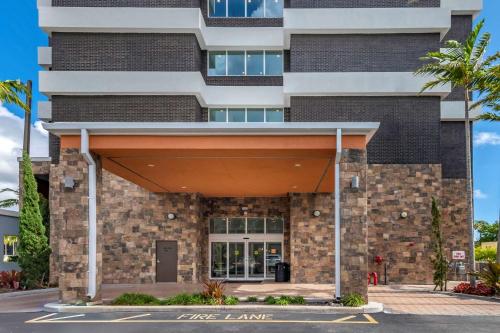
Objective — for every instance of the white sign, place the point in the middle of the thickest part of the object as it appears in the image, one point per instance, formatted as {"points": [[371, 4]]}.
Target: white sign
{"points": [[458, 255]]}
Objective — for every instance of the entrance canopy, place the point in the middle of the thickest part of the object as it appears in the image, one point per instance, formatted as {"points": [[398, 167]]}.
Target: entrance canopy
{"points": [[223, 160]]}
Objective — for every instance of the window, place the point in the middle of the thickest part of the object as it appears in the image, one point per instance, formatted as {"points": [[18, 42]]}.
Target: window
{"points": [[217, 63], [255, 62], [246, 225], [9, 247], [241, 63], [274, 63], [236, 63], [217, 8], [249, 115], [245, 8]]}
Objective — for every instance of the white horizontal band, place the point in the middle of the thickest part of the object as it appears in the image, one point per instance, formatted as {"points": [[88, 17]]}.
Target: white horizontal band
{"points": [[455, 111], [204, 128], [192, 83], [295, 21]]}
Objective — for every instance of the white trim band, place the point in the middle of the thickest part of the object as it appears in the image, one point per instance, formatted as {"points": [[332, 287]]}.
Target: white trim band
{"points": [[205, 128], [193, 84], [295, 21]]}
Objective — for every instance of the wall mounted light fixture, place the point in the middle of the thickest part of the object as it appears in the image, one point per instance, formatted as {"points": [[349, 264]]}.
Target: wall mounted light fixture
{"points": [[69, 182], [355, 182], [404, 215], [316, 213], [171, 216]]}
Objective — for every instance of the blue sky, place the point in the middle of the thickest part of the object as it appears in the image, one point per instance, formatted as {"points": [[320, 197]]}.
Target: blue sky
{"points": [[20, 37]]}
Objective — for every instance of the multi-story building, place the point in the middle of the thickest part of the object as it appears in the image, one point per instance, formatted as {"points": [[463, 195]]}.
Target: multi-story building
{"points": [[211, 139]]}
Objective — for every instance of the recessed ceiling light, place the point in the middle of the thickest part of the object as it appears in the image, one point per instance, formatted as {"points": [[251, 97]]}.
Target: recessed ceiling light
{"points": [[298, 165], [184, 187], [151, 165], [294, 186]]}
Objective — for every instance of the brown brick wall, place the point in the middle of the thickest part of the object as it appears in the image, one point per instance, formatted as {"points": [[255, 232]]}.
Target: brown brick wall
{"points": [[353, 223], [312, 238], [134, 218], [404, 243]]}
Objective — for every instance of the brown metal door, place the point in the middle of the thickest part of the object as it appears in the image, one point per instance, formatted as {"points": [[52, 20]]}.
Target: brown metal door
{"points": [[166, 261]]}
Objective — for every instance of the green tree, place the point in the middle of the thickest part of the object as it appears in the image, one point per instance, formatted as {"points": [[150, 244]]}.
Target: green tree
{"points": [[485, 254], [439, 261], [33, 251], [490, 96], [463, 65], [9, 202], [488, 232], [10, 92]]}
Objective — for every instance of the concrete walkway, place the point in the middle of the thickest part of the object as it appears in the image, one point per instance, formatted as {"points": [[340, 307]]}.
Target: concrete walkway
{"points": [[398, 299]]}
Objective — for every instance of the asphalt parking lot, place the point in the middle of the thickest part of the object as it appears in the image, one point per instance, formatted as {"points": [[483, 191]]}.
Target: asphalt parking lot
{"points": [[240, 321]]}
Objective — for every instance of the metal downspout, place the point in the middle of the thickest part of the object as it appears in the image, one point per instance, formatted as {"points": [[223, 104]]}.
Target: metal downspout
{"points": [[92, 217], [338, 155]]}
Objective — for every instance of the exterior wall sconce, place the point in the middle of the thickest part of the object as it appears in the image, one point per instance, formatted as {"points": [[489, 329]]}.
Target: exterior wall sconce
{"points": [[355, 182], [69, 182], [316, 213], [171, 216], [404, 215]]}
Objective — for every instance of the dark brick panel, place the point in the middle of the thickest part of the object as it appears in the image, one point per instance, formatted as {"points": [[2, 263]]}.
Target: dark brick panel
{"points": [[409, 126], [126, 108], [237, 80], [125, 52], [360, 3], [461, 26], [360, 53], [453, 149], [54, 148], [127, 3]]}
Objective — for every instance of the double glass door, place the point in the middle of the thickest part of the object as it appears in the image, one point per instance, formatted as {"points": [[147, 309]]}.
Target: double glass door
{"points": [[245, 248], [245, 260]]}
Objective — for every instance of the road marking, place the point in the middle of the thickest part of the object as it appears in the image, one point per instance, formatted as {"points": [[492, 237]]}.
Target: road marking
{"points": [[42, 317], [67, 317], [345, 320], [131, 317]]}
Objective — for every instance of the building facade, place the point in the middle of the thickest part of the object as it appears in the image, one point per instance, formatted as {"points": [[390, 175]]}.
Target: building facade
{"points": [[9, 237], [207, 139]]}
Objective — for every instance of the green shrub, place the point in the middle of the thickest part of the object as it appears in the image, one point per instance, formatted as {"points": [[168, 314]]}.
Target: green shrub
{"points": [[231, 300], [185, 299], [485, 254], [33, 250], [135, 299], [353, 299], [252, 299], [297, 300], [270, 300]]}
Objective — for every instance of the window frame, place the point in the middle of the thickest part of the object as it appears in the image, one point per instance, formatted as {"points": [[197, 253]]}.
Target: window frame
{"points": [[246, 115], [264, 2], [5, 247], [245, 55]]}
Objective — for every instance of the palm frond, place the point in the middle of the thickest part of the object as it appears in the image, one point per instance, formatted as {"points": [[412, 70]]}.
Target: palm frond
{"points": [[16, 192], [7, 203], [490, 116], [11, 91]]}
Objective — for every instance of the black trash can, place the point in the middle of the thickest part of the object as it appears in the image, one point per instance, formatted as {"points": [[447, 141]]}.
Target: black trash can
{"points": [[282, 273]]}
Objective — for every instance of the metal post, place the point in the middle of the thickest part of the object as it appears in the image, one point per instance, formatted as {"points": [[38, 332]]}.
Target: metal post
{"points": [[338, 155], [27, 118]]}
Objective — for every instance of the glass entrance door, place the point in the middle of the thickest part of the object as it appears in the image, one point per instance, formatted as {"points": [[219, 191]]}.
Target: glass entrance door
{"points": [[245, 248], [237, 260], [255, 255]]}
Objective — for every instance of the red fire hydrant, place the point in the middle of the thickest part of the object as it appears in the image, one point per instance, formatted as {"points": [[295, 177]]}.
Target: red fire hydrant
{"points": [[375, 278]]}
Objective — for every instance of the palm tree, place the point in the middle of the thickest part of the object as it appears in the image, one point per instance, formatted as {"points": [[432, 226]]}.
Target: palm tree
{"points": [[11, 202], [463, 65], [490, 96]]}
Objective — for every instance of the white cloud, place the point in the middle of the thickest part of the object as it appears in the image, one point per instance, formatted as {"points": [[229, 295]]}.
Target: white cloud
{"points": [[11, 141], [487, 138], [480, 195]]}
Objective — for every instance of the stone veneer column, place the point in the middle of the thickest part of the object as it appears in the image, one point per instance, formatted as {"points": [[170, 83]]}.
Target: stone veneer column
{"points": [[353, 223], [69, 226], [312, 238]]}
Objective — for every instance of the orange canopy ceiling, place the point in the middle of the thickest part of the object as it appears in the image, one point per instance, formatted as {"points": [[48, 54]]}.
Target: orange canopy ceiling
{"points": [[233, 166]]}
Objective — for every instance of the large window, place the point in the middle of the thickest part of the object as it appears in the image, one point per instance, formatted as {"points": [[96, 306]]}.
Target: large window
{"points": [[9, 248], [245, 8], [250, 225], [246, 115], [245, 63]]}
